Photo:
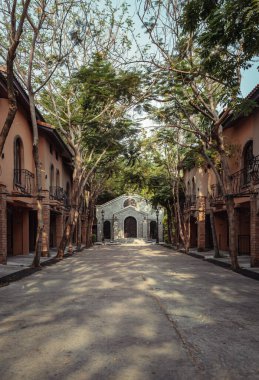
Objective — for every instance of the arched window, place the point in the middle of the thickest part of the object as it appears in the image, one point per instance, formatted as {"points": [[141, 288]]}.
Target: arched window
{"points": [[57, 178], [51, 176], [248, 161], [188, 188], [67, 194], [18, 160], [193, 195]]}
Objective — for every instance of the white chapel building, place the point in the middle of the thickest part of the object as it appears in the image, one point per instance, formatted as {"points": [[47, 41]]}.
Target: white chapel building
{"points": [[129, 217]]}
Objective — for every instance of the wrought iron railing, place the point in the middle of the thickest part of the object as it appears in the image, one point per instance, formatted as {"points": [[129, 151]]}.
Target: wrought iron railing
{"points": [[57, 193], [190, 201], [216, 193], [242, 181], [23, 181]]}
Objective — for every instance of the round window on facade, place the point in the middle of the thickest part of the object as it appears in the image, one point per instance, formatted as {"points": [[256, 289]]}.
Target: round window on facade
{"points": [[130, 202]]}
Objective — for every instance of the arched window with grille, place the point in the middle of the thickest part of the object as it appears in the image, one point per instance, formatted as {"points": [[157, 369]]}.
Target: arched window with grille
{"points": [[57, 178], [248, 162], [18, 160]]}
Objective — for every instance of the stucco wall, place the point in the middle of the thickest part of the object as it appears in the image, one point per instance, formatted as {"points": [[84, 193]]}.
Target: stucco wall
{"points": [[21, 128]]}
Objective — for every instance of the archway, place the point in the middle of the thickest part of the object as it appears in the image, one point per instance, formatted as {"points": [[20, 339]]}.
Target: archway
{"points": [[107, 229], [153, 230], [130, 227]]}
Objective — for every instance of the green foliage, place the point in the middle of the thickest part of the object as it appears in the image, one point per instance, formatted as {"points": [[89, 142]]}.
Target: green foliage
{"points": [[227, 32]]}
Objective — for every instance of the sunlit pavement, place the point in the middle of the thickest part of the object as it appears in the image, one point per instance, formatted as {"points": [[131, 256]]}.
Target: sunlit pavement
{"points": [[130, 312]]}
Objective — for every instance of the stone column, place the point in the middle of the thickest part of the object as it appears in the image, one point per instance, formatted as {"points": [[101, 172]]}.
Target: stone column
{"points": [[3, 224], [145, 229], [201, 216], [46, 223], [254, 232], [59, 227]]}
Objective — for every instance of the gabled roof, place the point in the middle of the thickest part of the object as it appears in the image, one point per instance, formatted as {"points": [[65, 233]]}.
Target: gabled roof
{"points": [[55, 137], [23, 101], [126, 209], [121, 197], [229, 121]]}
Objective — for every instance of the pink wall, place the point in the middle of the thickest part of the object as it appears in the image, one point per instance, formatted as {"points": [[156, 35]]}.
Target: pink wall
{"points": [[22, 129]]}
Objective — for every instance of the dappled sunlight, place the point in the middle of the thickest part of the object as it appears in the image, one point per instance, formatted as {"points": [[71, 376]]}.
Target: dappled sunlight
{"points": [[225, 293], [122, 313]]}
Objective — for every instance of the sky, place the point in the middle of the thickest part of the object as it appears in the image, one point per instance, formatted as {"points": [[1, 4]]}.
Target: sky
{"points": [[250, 77]]}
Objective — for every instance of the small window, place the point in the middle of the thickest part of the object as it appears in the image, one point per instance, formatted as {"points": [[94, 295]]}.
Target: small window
{"points": [[50, 148], [56, 155]]}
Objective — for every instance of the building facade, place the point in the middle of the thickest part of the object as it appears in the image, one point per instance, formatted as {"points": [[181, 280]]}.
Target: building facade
{"points": [[129, 217], [203, 194], [18, 208]]}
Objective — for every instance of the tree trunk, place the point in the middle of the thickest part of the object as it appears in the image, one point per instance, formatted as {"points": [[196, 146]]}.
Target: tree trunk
{"points": [[232, 228], [214, 235], [38, 246], [89, 227]]}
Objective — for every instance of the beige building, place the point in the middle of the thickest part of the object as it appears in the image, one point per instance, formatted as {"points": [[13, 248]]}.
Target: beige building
{"points": [[203, 192], [18, 212], [129, 217]]}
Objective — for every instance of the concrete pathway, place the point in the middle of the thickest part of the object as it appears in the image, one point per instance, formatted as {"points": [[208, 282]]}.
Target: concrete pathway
{"points": [[130, 312]]}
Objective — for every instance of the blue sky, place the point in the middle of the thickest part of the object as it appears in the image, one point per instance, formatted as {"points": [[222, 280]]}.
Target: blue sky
{"points": [[250, 78]]}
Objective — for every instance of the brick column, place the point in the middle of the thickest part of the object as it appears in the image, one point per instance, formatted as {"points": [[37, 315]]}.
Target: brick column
{"points": [[201, 216], [79, 231], [254, 232], [59, 227], [46, 223], [3, 224]]}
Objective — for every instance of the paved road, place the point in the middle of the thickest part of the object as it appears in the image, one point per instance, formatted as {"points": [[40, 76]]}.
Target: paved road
{"points": [[130, 312]]}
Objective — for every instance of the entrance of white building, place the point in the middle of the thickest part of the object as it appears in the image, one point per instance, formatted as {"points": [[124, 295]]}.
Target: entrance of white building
{"points": [[130, 227]]}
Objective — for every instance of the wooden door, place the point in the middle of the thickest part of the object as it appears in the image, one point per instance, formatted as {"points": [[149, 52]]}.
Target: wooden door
{"points": [[130, 227]]}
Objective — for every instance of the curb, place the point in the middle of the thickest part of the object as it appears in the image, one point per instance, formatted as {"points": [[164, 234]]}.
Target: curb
{"points": [[222, 264], [16, 276]]}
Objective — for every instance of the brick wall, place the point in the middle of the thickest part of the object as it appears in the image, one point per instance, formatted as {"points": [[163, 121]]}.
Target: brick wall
{"points": [[3, 225], [254, 236], [201, 216]]}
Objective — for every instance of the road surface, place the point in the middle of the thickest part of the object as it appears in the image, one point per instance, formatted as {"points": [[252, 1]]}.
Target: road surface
{"points": [[130, 312]]}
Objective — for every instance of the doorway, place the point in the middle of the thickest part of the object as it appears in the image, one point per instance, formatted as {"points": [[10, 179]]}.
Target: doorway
{"points": [[107, 230], [130, 227]]}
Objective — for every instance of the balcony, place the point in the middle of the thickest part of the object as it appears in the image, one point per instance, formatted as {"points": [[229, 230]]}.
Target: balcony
{"points": [[216, 194], [57, 193], [244, 179], [242, 182], [23, 181]]}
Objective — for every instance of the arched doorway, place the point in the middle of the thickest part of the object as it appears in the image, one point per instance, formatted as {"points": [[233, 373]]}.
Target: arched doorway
{"points": [[153, 230], [107, 229], [130, 227]]}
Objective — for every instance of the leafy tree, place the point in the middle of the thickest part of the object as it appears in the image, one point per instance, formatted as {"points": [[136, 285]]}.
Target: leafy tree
{"points": [[193, 89], [93, 120]]}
